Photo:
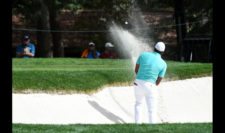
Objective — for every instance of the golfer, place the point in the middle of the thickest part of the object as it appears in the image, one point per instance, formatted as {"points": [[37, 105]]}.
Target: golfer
{"points": [[150, 69]]}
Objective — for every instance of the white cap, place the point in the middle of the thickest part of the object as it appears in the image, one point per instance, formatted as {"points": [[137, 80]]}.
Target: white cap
{"points": [[108, 44], [91, 44], [160, 46]]}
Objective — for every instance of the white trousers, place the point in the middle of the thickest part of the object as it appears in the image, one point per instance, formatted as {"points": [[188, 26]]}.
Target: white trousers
{"points": [[147, 90]]}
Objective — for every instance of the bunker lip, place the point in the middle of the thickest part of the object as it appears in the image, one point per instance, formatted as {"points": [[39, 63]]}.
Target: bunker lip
{"points": [[181, 101]]}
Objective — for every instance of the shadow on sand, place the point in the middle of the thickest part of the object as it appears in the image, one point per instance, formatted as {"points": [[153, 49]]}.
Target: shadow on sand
{"points": [[106, 113]]}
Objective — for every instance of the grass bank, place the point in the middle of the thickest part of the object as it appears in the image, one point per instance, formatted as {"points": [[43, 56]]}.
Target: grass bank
{"points": [[87, 75]]}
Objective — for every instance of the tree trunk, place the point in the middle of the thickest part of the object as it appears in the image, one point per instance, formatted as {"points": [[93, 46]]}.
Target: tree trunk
{"points": [[43, 37], [58, 49], [180, 27]]}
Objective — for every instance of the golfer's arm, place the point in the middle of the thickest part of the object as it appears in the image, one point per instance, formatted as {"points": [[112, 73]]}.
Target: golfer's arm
{"points": [[137, 68], [158, 80]]}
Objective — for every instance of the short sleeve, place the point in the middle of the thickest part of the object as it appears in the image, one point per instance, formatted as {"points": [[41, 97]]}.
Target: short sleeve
{"points": [[33, 49], [139, 60], [163, 71]]}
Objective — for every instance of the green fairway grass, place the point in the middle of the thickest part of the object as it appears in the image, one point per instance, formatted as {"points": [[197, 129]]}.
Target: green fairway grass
{"points": [[116, 128], [88, 75]]}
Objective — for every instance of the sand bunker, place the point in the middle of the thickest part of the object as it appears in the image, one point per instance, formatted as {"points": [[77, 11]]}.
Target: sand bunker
{"points": [[179, 102]]}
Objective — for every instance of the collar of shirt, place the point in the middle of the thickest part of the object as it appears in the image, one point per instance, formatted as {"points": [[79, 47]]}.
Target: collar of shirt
{"points": [[157, 54]]}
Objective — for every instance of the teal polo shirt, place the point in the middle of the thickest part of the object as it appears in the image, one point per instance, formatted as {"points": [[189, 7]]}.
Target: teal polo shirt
{"points": [[151, 66]]}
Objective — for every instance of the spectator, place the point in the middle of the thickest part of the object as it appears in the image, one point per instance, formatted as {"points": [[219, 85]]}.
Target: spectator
{"points": [[25, 49], [109, 51], [90, 52]]}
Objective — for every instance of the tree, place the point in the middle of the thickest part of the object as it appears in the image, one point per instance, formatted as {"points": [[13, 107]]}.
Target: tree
{"points": [[180, 26], [43, 14], [54, 7], [58, 49], [36, 13], [43, 38], [199, 12], [148, 5]]}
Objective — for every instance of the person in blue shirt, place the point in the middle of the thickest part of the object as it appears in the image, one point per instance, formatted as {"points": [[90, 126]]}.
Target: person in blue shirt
{"points": [[90, 52], [150, 69], [25, 49]]}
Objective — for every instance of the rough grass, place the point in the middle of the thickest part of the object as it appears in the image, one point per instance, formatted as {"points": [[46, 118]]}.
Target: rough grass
{"points": [[115, 128], [88, 75]]}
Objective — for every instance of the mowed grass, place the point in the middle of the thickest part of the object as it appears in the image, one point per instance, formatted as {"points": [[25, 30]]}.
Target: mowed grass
{"points": [[88, 75], [116, 128]]}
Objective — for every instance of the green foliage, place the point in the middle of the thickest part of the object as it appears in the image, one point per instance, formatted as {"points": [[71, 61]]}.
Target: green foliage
{"points": [[199, 10], [28, 8], [116, 9], [115, 128], [148, 5]]}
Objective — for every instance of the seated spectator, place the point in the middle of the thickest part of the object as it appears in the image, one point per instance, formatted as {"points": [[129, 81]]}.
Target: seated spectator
{"points": [[25, 49], [90, 52], [109, 51]]}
